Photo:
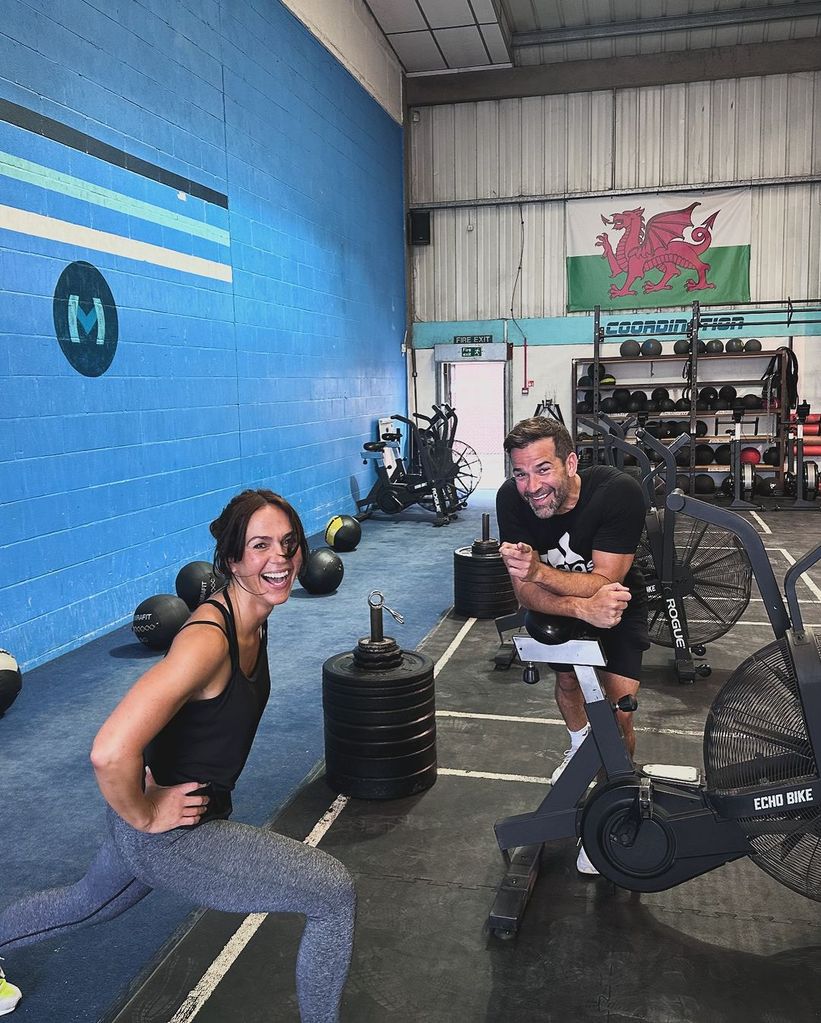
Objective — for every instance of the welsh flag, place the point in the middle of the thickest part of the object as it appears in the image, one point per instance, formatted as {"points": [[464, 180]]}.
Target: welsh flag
{"points": [[651, 251]]}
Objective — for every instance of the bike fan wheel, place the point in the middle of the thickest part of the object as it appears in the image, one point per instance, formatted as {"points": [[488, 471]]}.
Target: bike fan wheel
{"points": [[756, 735], [464, 475], [713, 574]]}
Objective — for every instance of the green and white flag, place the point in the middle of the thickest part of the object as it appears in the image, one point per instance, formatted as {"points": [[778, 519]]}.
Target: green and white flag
{"points": [[651, 251]]}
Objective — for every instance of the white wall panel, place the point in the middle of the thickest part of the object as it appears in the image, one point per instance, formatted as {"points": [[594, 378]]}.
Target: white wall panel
{"points": [[686, 135]]}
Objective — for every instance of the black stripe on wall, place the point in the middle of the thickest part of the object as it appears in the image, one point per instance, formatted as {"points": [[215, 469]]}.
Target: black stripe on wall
{"points": [[39, 124]]}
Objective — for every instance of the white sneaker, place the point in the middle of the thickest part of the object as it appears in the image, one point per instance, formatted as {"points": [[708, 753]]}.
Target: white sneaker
{"points": [[10, 995], [568, 756], [583, 864]]}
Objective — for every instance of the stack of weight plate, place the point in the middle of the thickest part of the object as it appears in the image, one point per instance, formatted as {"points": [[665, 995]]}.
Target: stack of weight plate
{"points": [[481, 585], [380, 720]]}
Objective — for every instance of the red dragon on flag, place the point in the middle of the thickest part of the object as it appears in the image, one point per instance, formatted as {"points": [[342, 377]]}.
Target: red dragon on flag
{"points": [[658, 244]]}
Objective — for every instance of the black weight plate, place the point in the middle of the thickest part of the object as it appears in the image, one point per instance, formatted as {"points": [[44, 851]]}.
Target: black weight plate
{"points": [[381, 767], [360, 716], [360, 732], [375, 788], [395, 748], [367, 701], [414, 667]]}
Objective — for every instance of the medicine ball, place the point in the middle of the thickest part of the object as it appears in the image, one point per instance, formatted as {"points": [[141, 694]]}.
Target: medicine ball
{"points": [[682, 346], [752, 401], [722, 406], [701, 428], [343, 533], [722, 454], [728, 485], [683, 455], [588, 397], [703, 483], [158, 619], [703, 406], [764, 485], [750, 456], [708, 394], [583, 408], [630, 348], [667, 405], [682, 404], [640, 397], [651, 406], [651, 346], [621, 395], [609, 405], [752, 345], [660, 393], [591, 371], [704, 454], [584, 381], [636, 406], [770, 456], [683, 482], [322, 572], [607, 380], [727, 393], [735, 344], [196, 582], [714, 346], [702, 348], [11, 681]]}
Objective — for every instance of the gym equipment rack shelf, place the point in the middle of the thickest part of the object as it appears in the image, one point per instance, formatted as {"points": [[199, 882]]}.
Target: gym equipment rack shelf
{"points": [[698, 370]]}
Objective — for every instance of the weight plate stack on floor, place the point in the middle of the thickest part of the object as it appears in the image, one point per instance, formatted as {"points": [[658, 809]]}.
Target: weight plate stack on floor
{"points": [[481, 585], [380, 717]]}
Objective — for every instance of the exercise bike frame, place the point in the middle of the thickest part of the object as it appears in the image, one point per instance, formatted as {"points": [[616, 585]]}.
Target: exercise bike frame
{"points": [[699, 826]]}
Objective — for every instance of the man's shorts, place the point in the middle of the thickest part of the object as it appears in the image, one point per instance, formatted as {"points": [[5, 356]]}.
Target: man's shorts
{"points": [[623, 647]]}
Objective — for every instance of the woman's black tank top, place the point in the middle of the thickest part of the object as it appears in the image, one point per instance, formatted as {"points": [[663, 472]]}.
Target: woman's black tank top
{"points": [[209, 740]]}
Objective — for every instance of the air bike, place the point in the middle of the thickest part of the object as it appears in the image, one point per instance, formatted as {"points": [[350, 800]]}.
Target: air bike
{"points": [[650, 828], [698, 577]]}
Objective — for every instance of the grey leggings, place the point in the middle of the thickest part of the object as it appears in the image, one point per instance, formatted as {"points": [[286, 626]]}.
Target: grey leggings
{"points": [[219, 865]]}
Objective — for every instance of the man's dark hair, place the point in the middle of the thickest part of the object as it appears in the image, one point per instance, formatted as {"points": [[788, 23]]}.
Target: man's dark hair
{"points": [[537, 428]]}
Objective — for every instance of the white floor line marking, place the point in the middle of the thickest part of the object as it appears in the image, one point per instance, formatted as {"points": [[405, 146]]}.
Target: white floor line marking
{"points": [[553, 721], [207, 984], [491, 776], [451, 650], [764, 527], [805, 577]]}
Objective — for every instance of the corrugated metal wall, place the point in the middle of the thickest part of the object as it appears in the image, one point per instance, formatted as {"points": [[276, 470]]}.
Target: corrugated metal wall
{"points": [[506, 171]]}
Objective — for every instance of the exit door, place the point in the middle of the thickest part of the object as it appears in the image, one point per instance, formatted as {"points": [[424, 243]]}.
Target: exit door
{"points": [[476, 390]]}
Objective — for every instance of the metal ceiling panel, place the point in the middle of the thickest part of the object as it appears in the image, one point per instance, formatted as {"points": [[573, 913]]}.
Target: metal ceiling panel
{"points": [[496, 45], [418, 50], [397, 15], [462, 47], [447, 13]]}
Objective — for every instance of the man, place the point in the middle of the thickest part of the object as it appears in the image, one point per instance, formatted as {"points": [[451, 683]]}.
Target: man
{"points": [[568, 542]]}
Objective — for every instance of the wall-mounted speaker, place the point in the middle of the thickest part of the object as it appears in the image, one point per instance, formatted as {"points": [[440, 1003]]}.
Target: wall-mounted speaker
{"points": [[419, 227]]}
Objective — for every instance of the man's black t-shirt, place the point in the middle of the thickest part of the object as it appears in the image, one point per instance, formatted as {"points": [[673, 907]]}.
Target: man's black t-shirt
{"points": [[609, 517]]}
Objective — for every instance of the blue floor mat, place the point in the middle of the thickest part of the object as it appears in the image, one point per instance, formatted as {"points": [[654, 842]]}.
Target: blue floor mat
{"points": [[53, 812]]}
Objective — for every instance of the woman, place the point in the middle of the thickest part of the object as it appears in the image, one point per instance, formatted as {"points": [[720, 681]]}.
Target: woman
{"points": [[168, 757]]}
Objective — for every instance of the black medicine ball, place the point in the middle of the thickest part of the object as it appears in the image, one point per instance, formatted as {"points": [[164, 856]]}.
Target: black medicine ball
{"points": [[682, 405], [752, 345], [196, 582], [660, 393], [703, 483], [752, 401], [682, 346], [343, 533], [322, 572], [11, 681], [683, 482], [591, 370], [735, 344], [673, 429], [770, 456], [651, 406], [727, 392], [640, 397], [158, 619], [701, 428], [683, 455], [704, 454], [708, 394], [651, 346], [722, 454], [608, 405], [667, 405], [763, 485], [702, 348], [715, 347], [621, 395], [584, 381], [584, 408], [630, 348]]}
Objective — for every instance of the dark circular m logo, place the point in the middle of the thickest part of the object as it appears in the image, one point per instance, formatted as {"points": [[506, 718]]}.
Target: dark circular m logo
{"points": [[85, 319]]}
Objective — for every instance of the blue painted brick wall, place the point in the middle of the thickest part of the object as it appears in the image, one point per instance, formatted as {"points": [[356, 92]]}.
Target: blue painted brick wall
{"points": [[273, 378]]}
